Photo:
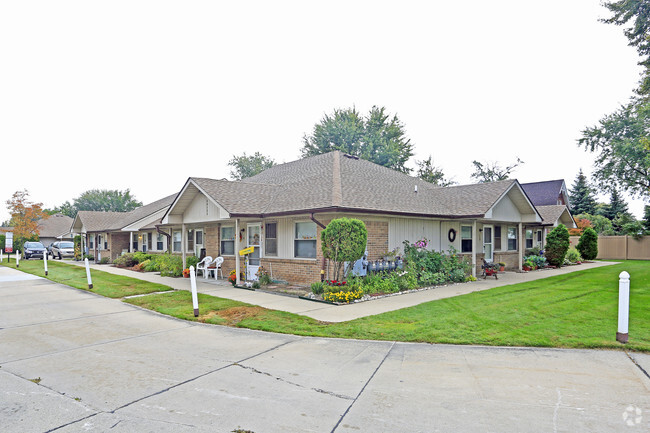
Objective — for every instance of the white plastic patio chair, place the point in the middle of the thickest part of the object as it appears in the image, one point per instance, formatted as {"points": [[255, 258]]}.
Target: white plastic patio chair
{"points": [[203, 266], [217, 267]]}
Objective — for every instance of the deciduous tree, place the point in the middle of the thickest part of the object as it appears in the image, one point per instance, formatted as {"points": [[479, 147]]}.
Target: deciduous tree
{"points": [[377, 137], [247, 166], [432, 174], [492, 171], [24, 217]]}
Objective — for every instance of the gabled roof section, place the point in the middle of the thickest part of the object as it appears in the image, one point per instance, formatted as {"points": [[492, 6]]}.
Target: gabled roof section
{"points": [[555, 214], [54, 226], [546, 193], [99, 221], [141, 215], [338, 181]]}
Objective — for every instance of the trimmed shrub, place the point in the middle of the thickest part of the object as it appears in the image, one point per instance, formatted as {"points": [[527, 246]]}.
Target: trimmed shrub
{"points": [[588, 244], [140, 257], [572, 256], [170, 265], [191, 261], [103, 260], [344, 240], [126, 260], [557, 245]]}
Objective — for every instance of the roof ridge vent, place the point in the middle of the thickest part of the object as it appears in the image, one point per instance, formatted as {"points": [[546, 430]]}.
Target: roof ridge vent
{"points": [[347, 155]]}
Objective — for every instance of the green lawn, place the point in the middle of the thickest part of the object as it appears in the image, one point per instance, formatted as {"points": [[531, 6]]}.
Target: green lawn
{"points": [[573, 310], [105, 284]]}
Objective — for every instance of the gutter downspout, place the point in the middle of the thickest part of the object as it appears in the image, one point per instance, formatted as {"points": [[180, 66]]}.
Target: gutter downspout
{"points": [[322, 263], [168, 236]]}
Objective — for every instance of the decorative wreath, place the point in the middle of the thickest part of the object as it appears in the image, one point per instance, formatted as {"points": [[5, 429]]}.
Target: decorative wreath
{"points": [[451, 235]]}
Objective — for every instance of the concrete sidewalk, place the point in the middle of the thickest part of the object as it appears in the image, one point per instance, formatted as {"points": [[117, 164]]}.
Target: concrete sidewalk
{"points": [[342, 313], [73, 361]]}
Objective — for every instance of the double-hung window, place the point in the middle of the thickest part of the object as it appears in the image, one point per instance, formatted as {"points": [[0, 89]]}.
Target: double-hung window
{"points": [[190, 240], [512, 238], [465, 239], [529, 239], [159, 242], [304, 243], [176, 246], [227, 241], [271, 239], [497, 238]]}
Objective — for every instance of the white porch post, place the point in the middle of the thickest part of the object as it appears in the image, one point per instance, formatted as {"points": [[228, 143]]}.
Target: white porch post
{"points": [[183, 244], [521, 245], [130, 242], [543, 238], [473, 249], [237, 264]]}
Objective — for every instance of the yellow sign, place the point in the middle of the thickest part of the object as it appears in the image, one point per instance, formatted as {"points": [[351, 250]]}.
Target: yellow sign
{"points": [[245, 251]]}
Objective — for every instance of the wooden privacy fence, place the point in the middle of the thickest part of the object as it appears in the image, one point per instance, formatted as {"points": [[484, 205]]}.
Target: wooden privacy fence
{"points": [[620, 247]]}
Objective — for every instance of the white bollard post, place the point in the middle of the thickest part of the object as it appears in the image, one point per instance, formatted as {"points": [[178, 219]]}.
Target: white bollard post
{"points": [[17, 259], [623, 307], [45, 262], [195, 298], [90, 281]]}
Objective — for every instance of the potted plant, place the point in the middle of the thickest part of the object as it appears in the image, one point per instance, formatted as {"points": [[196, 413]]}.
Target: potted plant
{"points": [[186, 272], [528, 265], [502, 266]]}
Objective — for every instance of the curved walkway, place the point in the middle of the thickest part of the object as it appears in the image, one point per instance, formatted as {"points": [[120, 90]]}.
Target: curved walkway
{"points": [[342, 313]]}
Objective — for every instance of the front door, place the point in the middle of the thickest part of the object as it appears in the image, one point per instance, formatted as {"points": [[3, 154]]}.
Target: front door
{"points": [[487, 243], [198, 244], [254, 232]]}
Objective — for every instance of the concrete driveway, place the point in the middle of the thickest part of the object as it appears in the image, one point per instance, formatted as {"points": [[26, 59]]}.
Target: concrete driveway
{"points": [[101, 365]]}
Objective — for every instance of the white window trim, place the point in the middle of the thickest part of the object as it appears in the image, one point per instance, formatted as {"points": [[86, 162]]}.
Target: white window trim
{"points": [[293, 244], [461, 238], [221, 240]]}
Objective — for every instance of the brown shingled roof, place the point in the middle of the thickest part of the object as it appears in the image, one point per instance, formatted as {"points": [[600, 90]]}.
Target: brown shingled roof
{"points": [[335, 180], [54, 226]]}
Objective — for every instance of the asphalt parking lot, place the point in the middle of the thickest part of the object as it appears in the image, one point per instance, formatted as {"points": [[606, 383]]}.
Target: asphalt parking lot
{"points": [[73, 361]]}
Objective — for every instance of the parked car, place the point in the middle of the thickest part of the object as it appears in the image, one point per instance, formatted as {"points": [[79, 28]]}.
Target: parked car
{"points": [[33, 249], [49, 249], [62, 249]]}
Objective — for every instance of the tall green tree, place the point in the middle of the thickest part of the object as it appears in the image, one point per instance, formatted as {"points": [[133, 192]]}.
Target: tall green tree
{"points": [[100, 200], [620, 140], [581, 196], [492, 171], [377, 137], [432, 174], [646, 218], [557, 245], [247, 166], [616, 205]]}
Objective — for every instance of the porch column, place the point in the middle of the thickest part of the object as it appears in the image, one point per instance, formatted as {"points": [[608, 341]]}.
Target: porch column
{"points": [[521, 246], [183, 244], [473, 249], [237, 264], [543, 238], [130, 242]]}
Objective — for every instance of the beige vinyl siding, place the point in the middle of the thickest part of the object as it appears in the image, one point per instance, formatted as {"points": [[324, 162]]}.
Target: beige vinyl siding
{"points": [[202, 209], [413, 229]]}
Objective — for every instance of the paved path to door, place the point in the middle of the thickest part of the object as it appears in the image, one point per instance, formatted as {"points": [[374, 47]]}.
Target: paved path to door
{"points": [[342, 313], [72, 361]]}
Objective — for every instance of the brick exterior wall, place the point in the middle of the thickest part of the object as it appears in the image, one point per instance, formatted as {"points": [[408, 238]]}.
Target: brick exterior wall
{"points": [[510, 258], [118, 242]]}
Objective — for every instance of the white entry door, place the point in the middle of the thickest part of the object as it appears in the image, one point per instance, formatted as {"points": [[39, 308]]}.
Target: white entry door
{"points": [[254, 232], [488, 243]]}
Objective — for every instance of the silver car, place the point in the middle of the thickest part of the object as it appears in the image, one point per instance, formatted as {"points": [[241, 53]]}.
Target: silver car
{"points": [[62, 249]]}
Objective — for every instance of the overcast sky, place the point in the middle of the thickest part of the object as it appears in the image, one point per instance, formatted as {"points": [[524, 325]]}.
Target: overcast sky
{"points": [[144, 94]]}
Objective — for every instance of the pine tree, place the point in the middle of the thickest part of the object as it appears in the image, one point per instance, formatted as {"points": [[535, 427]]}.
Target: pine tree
{"points": [[646, 218], [616, 206], [581, 196]]}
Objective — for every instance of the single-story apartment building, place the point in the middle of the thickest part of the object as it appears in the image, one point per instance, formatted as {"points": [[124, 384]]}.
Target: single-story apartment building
{"points": [[280, 212]]}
